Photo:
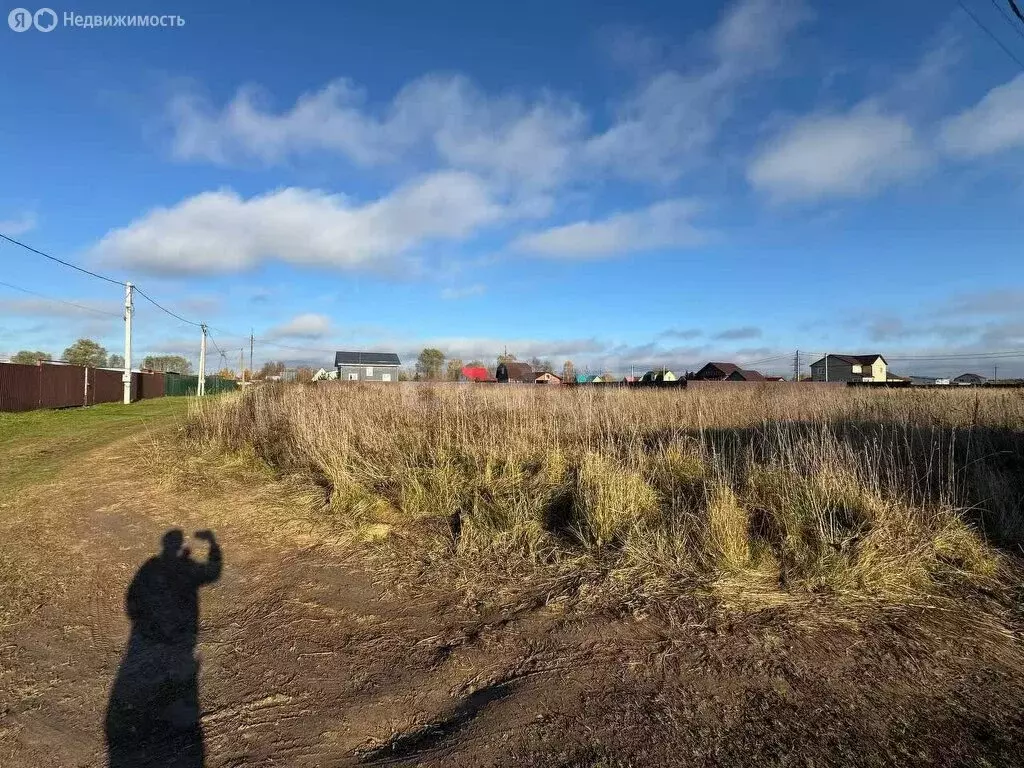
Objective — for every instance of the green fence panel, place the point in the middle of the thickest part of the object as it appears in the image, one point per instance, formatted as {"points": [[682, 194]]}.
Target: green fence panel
{"points": [[180, 385], [187, 385], [216, 385]]}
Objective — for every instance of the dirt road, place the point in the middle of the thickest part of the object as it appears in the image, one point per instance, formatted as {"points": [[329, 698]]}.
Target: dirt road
{"points": [[309, 656]]}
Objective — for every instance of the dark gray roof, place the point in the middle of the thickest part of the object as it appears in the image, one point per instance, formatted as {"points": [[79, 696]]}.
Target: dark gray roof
{"points": [[366, 358], [851, 359]]}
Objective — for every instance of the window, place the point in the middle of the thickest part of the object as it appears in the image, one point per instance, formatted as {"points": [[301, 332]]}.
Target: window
{"points": [[385, 377], [353, 377], [369, 371]]}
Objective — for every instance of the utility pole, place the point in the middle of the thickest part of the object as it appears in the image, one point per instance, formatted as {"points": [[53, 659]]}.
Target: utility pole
{"points": [[826, 366], [201, 387], [995, 373], [126, 377], [796, 366], [252, 341], [241, 363]]}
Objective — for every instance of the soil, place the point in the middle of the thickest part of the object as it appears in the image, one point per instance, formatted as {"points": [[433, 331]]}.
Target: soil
{"points": [[309, 655]]}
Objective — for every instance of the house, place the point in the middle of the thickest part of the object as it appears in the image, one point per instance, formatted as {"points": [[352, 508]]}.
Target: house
{"points": [[850, 368], [324, 375], [630, 379], [514, 372], [476, 373], [656, 377], [546, 377], [742, 375], [970, 380], [774, 378], [367, 366], [716, 372]]}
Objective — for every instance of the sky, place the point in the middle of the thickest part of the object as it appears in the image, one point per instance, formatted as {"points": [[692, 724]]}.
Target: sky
{"points": [[638, 184]]}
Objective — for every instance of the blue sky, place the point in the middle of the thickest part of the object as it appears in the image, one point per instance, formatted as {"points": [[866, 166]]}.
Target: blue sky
{"points": [[647, 183]]}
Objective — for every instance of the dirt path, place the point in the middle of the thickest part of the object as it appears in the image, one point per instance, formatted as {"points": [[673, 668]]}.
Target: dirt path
{"points": [[304, 658], [308, 658]]}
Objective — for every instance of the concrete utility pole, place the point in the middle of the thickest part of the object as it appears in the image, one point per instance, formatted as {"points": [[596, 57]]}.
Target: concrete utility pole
{"points": [[995, 373], [826, 366], [126, 377], [201, 387], [252, 341], [241, 364], [796, 366]]}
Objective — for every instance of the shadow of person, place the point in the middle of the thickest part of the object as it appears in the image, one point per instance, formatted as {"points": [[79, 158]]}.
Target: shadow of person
{"points": [[153, 712]]}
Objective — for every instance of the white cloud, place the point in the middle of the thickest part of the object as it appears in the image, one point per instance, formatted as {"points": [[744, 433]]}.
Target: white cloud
{"points": [[668, 124], [534, 142], [18, 225], [305, 326], [838, 155], [53, 308], [222, 232], [463, 293], [505, 136], [753, 33], [994, 124], [663, 225]]}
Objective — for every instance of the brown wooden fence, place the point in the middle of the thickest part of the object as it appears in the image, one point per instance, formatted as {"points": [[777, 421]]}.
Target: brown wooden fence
{"points": [[27, 387], [19, 387]]}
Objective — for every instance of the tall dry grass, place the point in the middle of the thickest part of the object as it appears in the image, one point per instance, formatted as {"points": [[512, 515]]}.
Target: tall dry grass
{"points": [[746, 494]]}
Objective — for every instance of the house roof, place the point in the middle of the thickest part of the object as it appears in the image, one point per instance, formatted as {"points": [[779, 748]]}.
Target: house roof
{"points": [[541, 374], [476, 373], [366, 358], [519, 372], [852, 359], [725, 368], [745, 375]]}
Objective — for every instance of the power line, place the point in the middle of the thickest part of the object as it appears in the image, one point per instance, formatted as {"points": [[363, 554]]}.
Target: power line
{"points": [[989, 32], [61, 261], [59, 301], [165, 309], [1016, 11], [1009, 20]]}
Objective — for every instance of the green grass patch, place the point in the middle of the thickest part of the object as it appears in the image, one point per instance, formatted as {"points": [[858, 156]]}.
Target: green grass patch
{"points": [[35, 445]]}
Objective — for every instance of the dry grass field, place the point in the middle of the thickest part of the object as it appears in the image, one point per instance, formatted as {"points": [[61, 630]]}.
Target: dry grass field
{"points": [[653, 500], [503, 576]]}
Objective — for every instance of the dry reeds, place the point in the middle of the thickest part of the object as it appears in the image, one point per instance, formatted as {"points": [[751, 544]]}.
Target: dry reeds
{"points": [[877, 495]]}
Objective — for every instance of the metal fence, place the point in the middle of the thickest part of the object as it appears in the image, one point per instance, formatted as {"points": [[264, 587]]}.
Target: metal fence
{"points": [[28, 387]]}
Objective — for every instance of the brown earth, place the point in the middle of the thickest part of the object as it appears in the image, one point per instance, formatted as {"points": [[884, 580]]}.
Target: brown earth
{"points": [[311, 655]]}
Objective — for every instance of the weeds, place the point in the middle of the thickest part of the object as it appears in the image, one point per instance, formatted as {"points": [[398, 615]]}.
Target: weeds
{"points": [[872, 495]]}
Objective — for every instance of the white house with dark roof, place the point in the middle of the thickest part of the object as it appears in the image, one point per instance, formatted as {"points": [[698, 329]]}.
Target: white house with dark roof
{"points": [[367, 366], [849, 368]]}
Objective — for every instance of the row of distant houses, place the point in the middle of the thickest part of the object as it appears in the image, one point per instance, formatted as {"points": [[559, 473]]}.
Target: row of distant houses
{"points": [[870, 368]]}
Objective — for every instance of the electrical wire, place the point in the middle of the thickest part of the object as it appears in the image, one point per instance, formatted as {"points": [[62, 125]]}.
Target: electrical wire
{"points": [[1016, 10], [165, 309], [989, 32], [1009, 20], [83, 270], [60, 301]]}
